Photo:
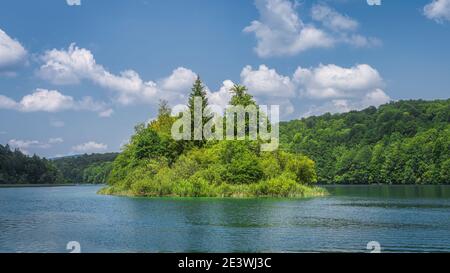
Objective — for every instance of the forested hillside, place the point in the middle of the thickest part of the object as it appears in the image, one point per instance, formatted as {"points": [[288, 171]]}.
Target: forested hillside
{"points": [[93, 168], [402, 142], [18, 168]]}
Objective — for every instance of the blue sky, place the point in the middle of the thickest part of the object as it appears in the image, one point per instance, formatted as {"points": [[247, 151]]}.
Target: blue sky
{"points": [[76, 76]]}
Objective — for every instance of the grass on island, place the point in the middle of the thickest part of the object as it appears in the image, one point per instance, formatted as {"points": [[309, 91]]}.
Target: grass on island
{"points": [[262, 189]]}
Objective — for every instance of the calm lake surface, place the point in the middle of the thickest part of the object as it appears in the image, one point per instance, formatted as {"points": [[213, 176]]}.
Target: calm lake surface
{"points": [[400, 218]]}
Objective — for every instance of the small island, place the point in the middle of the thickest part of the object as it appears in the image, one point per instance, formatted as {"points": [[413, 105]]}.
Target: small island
{"points": [[153, 164]]}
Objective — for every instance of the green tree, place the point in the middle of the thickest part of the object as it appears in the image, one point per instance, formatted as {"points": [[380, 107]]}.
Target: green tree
{"points": [[198, 91]]}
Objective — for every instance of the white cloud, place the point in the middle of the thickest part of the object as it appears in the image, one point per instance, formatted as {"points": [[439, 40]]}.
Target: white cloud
{"points": [[332, 81], [43, 100], [56, 140], [12, 53], [26, 145], [46, 101], [338, 89], [73, 2], [23, 145], [333, 106], [107, 113], [267, 82], [326, 88], [7, 103], [280, 30], [438, 10], [76, 64], [90, 147], [180, 80], [332, 19], [222, 97]]}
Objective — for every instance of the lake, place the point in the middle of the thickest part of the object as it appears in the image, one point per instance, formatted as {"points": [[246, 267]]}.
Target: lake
{"points": [[400, 218]]}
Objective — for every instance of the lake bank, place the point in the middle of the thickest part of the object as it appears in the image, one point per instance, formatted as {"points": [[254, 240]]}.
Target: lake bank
{"points": [[256, 190]]}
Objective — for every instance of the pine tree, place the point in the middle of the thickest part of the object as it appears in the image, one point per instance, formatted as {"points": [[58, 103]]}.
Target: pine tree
{"points": [[198, 91]]}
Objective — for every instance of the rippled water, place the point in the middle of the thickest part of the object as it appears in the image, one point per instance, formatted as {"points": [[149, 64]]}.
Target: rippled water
{"points": [[400, 218]]}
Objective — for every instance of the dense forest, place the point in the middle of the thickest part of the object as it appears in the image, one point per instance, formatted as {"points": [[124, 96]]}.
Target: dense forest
{"points": [[18, 168], [154, 164], [92, 169], [401, 142]]}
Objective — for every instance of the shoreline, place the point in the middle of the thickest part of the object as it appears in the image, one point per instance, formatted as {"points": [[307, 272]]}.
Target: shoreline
{"points": [[311, 193]]}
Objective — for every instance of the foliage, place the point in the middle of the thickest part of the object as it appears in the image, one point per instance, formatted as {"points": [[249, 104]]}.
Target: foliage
{"points": [[153, 164], [198, 91], [398, 143], [93, 168], [18, 168]]}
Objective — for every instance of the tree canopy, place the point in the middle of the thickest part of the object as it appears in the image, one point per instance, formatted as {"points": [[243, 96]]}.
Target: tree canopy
{"points": [[402, 142], [18, 168]]}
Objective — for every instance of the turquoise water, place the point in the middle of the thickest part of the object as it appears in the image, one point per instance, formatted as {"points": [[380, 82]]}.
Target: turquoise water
{"points": [[400, 218]]}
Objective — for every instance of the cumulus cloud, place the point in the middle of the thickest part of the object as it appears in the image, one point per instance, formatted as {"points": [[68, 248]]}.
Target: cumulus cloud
{"points": [[221, 97], [332, 81], [325, 88], [328, 88], [73, 2], [76, 64], [46, 101], [89, 147], [43, 100], [12, 53], [336, 89], [280, 30], [267, 82], [438, 10]]}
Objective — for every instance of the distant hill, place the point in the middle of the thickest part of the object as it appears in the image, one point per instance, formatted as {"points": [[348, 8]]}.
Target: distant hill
{"points": [[93, 168], [18, 168], [400, 143]]}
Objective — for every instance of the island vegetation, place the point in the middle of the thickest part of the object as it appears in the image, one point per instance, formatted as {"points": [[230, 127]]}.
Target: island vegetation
{"points": [[154, 164]]}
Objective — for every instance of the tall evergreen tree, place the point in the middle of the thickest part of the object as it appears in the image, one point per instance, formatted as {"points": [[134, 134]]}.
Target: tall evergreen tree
{"points": [[198, 91]]}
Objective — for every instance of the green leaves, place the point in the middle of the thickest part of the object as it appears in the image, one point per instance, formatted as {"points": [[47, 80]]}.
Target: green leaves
{"points": [[401, 142]]}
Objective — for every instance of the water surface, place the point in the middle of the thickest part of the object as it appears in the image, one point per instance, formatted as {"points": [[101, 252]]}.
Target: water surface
{"points": [[400, 218]]}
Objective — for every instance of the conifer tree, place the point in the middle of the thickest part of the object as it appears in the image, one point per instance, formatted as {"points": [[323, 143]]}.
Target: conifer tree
{"points": [[198, 91]]}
